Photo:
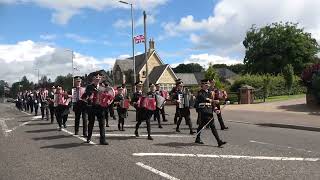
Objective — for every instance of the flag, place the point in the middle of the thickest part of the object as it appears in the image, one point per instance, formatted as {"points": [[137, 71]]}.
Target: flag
{"points": [[139, 39]]}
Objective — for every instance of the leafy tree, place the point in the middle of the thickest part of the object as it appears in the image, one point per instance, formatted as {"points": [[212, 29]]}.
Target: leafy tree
{"points": [[3, 86], [188, 68], [270, 48], [211, 73], [237, 68], [288, 75], [64, 81]]}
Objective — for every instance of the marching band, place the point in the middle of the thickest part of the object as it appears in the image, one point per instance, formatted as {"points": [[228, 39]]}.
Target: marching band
{"points": [[97, 100]]}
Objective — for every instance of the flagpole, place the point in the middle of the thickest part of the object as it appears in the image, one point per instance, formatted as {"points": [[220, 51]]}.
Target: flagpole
{"points": [[145, 47], [133, 54]]}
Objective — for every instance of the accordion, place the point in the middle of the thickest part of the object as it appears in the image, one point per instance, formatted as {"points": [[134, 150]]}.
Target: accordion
{"points": [[125, 103], [149, 103], [186, 100], [160, 101]]}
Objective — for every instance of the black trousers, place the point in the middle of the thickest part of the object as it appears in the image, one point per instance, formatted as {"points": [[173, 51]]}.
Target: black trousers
{"points": [[45, 111], [146, 115], [156, 116], [94, 112], [220, 119], [106, 115], [62, 114], [205, 118], [79, 109], [30, 106], [184, 113], [52, 112], [36, 108], [122, 113], [163, 114], [111, 110]]}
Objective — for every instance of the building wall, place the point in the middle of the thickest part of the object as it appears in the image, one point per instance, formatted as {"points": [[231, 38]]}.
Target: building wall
{"points": [[167, 77], [152, 62]]}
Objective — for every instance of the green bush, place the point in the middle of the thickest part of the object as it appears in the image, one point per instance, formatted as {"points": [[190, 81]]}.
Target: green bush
{"points": [[277, 85]]}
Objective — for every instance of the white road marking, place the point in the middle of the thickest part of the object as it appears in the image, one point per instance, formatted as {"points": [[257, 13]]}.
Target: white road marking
{"points": [[144, 135], [241, 122], [165, 175], [77, 136], [264, 143], [25, 113], [229, 156]]}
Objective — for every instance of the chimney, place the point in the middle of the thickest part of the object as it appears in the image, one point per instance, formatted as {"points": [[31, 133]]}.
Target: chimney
{"points": [[151, 45]]}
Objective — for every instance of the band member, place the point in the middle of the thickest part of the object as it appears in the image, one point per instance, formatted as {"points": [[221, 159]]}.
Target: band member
{"points": [[36, 102], [148, 111], [164, 95], [44, 103], [79, 107], [94, 109], [204, 103], [181, 97], [157, 111], [30, 101], [135, 100], [119, 100], [217, 96], [51, 103], [173, 94], [59, 106]]}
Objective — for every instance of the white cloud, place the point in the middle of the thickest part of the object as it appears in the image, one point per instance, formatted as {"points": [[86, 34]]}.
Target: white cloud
{"points": [[121, 23], [64, 10], [79, 39], [205, 59], [17, 60], [225, 29], [48, 37]]}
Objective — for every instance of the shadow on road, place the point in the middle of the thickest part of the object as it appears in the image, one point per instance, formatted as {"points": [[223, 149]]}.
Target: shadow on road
{"points": [[286, 126], [180, 145], [301, 108], [52, 137], [65, 146], [41, 130], [120, 138], [38, 124]]}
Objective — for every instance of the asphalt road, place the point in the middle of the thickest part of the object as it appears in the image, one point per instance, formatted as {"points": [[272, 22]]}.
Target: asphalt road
{"points": [[31, 148]]}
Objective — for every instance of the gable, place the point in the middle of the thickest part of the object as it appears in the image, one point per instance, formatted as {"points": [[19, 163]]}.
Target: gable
{"points": [[153, 62], [167, 77]]}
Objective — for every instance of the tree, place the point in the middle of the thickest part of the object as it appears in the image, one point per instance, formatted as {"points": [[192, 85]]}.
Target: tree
{"points": [[3, 86], [271, 48], [237, 68], [64, 81], [188, 68], [211, 73], [288, 75]]}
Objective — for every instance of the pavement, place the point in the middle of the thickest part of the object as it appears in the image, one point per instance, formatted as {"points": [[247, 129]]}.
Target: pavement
{"points": [[261, 145]]}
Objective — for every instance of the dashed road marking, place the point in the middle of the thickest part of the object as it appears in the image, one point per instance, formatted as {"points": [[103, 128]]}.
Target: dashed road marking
{"points": [[160, 173], [229, 156], [77, 136]]}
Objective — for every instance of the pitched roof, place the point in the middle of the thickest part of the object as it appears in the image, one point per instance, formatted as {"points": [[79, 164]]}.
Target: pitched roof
{"points": [[225, 73], [187, 78], [156, 73]]}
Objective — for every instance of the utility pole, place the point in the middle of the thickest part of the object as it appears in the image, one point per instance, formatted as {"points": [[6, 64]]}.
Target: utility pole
{"points": [[145, 48]]}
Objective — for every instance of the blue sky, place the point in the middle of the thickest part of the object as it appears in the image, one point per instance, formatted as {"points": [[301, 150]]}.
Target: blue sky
{"points": [[35, 32]]}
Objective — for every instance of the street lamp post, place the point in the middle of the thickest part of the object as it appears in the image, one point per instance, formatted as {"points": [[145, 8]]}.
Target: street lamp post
{"points": [[132, 36], [37, 69], [71, 65]]}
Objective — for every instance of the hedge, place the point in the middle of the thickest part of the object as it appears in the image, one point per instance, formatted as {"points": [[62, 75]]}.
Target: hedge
{"points": [[277, 85]]}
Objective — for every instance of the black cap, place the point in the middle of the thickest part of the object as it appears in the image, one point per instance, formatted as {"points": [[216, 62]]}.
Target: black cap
{"points": [[97, 75], [151, 84], [205, 81], [157, 84], [138, 83], [179, 80], [77, 78], [179, 83], [119, 87]]}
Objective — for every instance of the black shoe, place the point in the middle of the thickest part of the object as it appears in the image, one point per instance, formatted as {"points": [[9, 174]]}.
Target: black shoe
{"points": [[122, 129], [224, 128], [104, 143], [107, 125], [65, 126], [220, 143], [119, 127], [198, 141], [60, 129], [178, 130], [150, 138], [88, 140], [85, 136], [76, 133], [114, 118], [165, 120], [136, 133], [160, 127], [192, 132]]}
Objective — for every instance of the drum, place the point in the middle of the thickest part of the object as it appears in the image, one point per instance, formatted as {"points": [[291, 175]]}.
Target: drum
{"points": [[124, 103], [165, 94], [149, 103], [140, 102], [160, 101]]}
